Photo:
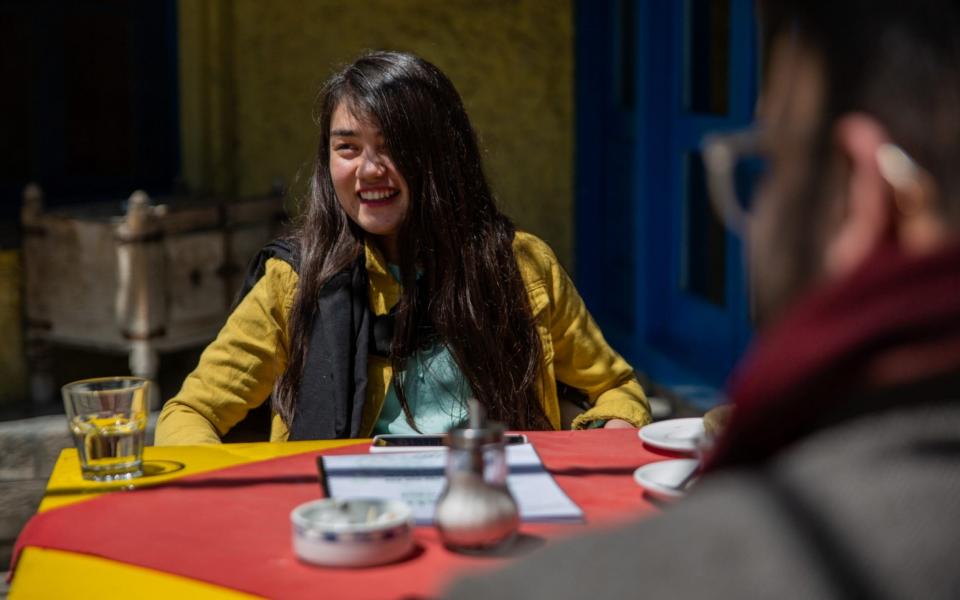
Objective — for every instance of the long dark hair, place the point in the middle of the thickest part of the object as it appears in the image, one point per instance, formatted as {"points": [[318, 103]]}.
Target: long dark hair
{"points": [[471, 296]]}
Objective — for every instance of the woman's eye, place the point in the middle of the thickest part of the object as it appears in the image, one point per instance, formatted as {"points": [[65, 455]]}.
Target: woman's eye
{"points": [[343, 147]]}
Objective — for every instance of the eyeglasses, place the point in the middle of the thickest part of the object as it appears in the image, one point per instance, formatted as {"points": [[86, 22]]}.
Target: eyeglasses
{"points": [[722, 155]]}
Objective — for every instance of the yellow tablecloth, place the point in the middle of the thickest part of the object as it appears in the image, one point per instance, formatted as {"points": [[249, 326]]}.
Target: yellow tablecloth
{"points": [[43, 573]]}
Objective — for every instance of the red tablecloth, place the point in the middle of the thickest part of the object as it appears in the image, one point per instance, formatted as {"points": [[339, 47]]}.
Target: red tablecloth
{"points": [[231, 527]]}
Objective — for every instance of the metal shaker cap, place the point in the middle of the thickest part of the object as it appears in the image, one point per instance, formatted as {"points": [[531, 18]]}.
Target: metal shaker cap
{"points": [[478, 432]]}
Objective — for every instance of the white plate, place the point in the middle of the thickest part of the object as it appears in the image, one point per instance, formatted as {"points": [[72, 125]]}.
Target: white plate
{"points": [[660, 479], [679, 435]]}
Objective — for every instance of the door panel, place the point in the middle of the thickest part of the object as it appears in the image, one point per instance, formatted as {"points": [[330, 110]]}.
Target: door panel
{"points": [[679, 297]]}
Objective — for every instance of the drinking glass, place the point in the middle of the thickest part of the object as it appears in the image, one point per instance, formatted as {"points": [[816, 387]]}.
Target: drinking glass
{"points": [[108, 419]]}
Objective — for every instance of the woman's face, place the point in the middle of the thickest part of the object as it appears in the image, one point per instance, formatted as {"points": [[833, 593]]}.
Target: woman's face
{"points": [[368, 185]]}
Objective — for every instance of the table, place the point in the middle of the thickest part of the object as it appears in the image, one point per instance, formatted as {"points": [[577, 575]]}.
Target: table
{"points": [[212, 522]]}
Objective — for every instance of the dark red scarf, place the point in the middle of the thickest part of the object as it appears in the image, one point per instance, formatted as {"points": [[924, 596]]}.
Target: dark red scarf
{"points": [[894, 322]]}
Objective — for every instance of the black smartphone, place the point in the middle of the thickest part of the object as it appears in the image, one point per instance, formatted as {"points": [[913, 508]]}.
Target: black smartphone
{"points": [[400, 442]]}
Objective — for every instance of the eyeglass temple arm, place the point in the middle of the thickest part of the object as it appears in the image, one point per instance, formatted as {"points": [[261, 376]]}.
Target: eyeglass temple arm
{"points": [[720, 155]]}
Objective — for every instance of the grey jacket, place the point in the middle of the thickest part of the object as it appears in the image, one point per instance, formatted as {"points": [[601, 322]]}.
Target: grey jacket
{"points": [[869, 508]]}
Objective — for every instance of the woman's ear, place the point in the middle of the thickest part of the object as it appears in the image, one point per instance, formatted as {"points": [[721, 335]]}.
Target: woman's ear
{"points": [[868, 216]]}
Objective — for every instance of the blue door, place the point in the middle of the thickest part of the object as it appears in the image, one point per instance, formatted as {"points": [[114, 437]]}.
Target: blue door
{"points": [[658, 270]]}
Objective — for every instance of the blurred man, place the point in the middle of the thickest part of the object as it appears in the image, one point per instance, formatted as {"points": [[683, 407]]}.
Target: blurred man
{"points": [[839, 474]]}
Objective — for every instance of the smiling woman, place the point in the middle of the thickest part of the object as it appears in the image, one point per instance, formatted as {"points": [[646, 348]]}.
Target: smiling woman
{"points": [[403, 292]]}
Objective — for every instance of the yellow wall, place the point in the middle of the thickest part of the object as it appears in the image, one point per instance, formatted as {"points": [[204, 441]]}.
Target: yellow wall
{"points": [[250, 71]]}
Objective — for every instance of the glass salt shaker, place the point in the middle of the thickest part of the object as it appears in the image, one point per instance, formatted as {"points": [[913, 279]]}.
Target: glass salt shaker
{"points": [[476, 511]]}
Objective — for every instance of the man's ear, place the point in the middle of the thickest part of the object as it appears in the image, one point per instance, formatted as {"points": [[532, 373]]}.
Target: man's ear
{"points": [[868, 217]]}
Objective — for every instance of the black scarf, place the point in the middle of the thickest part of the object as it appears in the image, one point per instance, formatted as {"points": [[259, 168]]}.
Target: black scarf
{"points": [[333, 388]]}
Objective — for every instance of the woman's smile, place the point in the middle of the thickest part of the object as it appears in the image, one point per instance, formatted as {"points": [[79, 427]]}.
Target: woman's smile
{"points": [[378, 196]]}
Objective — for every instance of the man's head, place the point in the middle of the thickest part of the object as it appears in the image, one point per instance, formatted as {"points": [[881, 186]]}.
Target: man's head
{"points": [[848, 84]]}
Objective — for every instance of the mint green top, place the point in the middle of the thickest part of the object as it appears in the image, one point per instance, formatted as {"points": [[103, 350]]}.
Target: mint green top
{"points": [[435, 390]]}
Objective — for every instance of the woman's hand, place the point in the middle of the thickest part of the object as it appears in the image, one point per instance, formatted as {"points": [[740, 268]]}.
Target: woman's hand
{"points": [[618, 424]]}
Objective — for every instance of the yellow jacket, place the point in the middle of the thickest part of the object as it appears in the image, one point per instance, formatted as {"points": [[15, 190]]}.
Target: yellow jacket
{"points": [[238, 369]]}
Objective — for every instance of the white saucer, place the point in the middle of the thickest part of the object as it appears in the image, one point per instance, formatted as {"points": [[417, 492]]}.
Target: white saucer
{"points": [[679, 435], [660, 479]]}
